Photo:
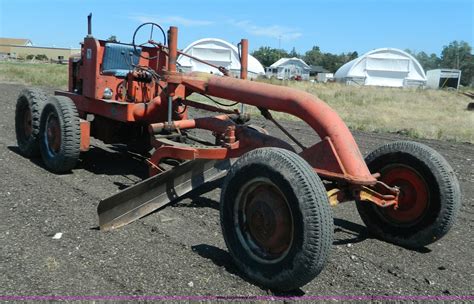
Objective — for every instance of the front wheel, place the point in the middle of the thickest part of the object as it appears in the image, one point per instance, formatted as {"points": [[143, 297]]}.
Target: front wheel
{"points": [[429, 200], [276, 219]]}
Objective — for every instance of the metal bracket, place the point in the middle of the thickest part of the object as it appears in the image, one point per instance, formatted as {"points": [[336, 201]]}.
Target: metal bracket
{"points": [[383, 195]]}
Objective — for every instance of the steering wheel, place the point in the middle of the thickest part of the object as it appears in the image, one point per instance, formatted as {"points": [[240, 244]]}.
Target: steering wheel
{"points": [[147, 43]]}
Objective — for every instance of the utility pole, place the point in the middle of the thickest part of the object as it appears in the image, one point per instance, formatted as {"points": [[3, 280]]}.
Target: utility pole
{"points": [[279, 42], [457, 58]]}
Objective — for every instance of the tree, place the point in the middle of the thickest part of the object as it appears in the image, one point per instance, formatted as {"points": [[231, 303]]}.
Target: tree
{"points": [[353, 55], [428, 62], [331, 62], [41, 57], [267, 55], [458, 55], [112, 38], [293, 53], [313, 56]]}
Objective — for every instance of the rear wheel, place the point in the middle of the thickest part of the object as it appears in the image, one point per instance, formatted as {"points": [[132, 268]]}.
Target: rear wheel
{"points": [[429, 200], [60, 134], [29, 105], [276, 219]]}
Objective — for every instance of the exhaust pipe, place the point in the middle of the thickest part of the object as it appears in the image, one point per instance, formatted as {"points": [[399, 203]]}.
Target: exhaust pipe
{"points": [[89, 26]]}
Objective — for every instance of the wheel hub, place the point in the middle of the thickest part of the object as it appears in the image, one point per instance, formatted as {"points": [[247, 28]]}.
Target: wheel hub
{"points": [[413, 199], [53, 134], [266, 222]]}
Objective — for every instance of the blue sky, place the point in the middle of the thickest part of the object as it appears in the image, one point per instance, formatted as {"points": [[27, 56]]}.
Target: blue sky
{"points": [[334, 25]]}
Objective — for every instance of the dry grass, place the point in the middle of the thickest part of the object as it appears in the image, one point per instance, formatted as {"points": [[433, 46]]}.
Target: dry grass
{"points": [[417, 113], [36, 74], [435, 114]]}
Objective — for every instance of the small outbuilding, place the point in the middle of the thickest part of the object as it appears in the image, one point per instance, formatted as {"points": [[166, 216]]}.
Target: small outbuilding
{"points": [[443, 78], [317, 69], [17, 48], [220, 53], [289, 68], [383, 67]]}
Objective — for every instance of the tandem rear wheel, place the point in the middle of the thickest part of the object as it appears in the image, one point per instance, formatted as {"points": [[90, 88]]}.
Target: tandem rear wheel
{"points": [[60, 134], [276, 219], [29, 105], [50, 127]]}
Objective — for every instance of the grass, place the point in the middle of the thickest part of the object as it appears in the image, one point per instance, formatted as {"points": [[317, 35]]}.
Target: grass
{"points": [[418, 113], [35, 74]]}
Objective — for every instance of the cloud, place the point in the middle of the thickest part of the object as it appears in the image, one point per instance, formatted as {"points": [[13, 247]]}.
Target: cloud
{"points": [[172, 20], [273, 31]]}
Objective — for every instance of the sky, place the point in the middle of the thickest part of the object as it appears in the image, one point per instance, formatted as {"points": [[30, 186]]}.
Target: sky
{"points": [[335, 26]]}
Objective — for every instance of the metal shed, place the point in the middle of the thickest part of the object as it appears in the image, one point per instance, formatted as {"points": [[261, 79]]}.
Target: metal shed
{"points": [[443, 78]]}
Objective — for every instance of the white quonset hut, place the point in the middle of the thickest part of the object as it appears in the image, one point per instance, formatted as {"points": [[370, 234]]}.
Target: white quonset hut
{"points": [[383, 67], [220, 53], [289, 68]]}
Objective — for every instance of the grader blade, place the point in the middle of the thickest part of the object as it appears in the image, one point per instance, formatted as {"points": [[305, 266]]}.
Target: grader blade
{"points": [[157, 191]]}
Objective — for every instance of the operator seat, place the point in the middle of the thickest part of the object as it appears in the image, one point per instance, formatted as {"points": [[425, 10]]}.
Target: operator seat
{"points": [[119, 59]]}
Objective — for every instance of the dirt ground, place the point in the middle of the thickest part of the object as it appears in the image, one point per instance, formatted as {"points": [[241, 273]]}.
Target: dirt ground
{"points": [[180, 250]]}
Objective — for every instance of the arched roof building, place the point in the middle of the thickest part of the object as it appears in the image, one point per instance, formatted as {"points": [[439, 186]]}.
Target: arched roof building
{"points": [[218, 52], [383, 67]]}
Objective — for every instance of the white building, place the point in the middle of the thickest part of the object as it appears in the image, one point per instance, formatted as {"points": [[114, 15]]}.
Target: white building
{"points": [[443, 78], [220, 53], [324, 77], [383, 67], [289, 68]]}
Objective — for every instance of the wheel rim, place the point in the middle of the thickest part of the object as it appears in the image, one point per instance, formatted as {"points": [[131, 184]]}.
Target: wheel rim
{"points": [[27, 122], [53, 134], [263, 220], [413, 199]]}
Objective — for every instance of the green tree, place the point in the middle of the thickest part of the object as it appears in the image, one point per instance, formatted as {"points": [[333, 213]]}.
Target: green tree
{"points": [[313, 56], [41, 57], [267, 55], [330, 62], [353, 55], [458, 55], [428, 62], [112, 38], [293, 53]]}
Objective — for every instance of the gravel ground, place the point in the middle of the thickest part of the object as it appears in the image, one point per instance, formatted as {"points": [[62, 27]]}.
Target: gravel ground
{"points": [[179, 251]]}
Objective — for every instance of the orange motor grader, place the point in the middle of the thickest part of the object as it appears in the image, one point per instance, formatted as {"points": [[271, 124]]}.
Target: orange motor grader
{"points": [[275, 200]]}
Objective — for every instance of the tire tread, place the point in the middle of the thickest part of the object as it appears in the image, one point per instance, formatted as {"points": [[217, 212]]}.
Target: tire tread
{"points": [[449, 192], [36, 99], [68, 115], [315, 210]]}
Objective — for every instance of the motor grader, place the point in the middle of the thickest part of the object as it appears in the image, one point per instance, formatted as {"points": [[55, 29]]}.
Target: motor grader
{"points": [[275, 198]]}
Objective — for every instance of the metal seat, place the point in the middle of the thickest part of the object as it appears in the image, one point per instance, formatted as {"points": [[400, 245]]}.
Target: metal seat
{"points": [[119, 59]]}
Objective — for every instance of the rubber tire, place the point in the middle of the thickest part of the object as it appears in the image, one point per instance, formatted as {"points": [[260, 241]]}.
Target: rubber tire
{"points": [[69, 122], [444, 195], [313, 221], [33, 99]]}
